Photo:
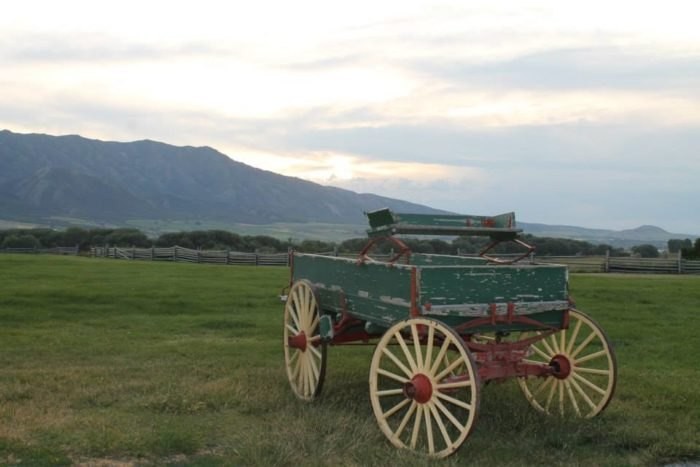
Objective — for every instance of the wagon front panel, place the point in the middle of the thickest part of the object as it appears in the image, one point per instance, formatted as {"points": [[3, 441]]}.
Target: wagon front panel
{"points": [[372, 292]]}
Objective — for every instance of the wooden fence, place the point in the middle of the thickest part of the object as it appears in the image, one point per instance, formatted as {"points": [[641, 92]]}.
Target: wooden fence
{"points": [[59, 250], [624, 264], [181, 254], [574, 263]]}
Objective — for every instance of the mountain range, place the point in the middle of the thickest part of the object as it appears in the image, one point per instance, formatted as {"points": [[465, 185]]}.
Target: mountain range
{"points": [[47, 177], [67, 180]]}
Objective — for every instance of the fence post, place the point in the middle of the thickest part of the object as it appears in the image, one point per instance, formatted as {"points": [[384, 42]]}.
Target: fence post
{"points": [[228, 255], [607, 261], [680, 262], [175, 254], [198, 254]]}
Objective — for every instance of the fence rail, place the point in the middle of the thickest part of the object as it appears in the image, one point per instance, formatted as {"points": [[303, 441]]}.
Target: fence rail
{"points": [[625, 264], [181, 254], [574, 263], [59, 250]]}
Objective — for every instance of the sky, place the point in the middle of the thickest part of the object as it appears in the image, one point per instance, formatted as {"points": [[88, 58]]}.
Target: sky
{"points": [[572, 113]]}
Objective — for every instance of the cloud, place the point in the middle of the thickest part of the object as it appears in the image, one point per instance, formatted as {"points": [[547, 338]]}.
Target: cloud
{"points": [[597, 68], [68, 48]]}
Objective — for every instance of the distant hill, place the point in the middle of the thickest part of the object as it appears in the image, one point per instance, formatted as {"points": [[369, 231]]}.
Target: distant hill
{"points": [[47, 177], [618, 238]]}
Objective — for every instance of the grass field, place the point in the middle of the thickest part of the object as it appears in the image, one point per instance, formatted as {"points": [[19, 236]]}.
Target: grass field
{"points": [[106, 362]]}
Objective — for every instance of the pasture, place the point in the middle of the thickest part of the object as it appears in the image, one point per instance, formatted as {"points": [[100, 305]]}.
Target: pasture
{"points": [[106, 362]]}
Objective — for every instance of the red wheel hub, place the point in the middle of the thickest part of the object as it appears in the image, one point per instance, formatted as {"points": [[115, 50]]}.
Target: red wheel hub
{"points": [[298, 341], [420, 389], [561, 366]]}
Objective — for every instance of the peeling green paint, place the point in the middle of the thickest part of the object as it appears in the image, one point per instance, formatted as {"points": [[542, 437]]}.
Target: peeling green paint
{"points": [[452, 289]]}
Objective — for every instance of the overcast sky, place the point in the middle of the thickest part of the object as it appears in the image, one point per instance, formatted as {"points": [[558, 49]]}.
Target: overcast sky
{"points": [[579, 113]]}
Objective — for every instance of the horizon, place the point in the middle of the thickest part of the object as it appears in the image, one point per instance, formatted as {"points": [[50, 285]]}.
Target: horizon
{"points": [[574, 115]]}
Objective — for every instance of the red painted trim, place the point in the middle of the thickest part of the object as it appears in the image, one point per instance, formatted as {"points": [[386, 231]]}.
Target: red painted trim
{"points": [[561, 366], [506, 347], [291, 267], [494, 319], [414, 293], [511, 312], [356, 336], [565, 320], [490, 246], [404, 250], [298, 341], [489, 372], [419, 388]]}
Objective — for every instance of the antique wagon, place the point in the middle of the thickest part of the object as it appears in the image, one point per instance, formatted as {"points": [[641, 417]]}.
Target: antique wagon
{"points": [[443, 326]]}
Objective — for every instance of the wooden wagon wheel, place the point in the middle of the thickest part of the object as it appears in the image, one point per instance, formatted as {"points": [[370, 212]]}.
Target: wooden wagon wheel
{"points": [[424, 387], [586, 370], [304, 351]]}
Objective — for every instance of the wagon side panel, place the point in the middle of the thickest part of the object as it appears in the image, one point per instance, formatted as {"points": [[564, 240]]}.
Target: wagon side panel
{"points": [[459, 294]]}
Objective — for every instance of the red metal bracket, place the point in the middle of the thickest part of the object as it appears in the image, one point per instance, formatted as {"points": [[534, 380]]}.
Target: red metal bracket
{"points": [[493, 244], [404, 250]]}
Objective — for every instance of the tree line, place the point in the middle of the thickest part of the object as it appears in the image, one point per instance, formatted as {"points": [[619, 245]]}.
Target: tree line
{"points": [[688, 249], [225, 240]]}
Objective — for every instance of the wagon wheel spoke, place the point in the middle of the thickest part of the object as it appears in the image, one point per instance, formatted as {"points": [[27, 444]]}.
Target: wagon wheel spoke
{"points": [[416, 389], [430, 343], [398, 362], [583, 369], [416, 346], [583, 394], [572, 398], [441, 425], [396, 408], [304, 351], [404, 421], [448, 414], [406, 352], [583, 380], [293, 315], [429, 428], [550, 352], [593, 371], [394, 376], [416, 426], [542, 387], [539, 352]]}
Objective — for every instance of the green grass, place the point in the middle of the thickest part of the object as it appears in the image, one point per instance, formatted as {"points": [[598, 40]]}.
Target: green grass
{"points": [[176, 364]]}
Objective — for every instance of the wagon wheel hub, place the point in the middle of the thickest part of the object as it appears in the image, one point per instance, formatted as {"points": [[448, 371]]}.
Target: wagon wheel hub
{"points": [[561, 366], [419, 388], [298, 341]]}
